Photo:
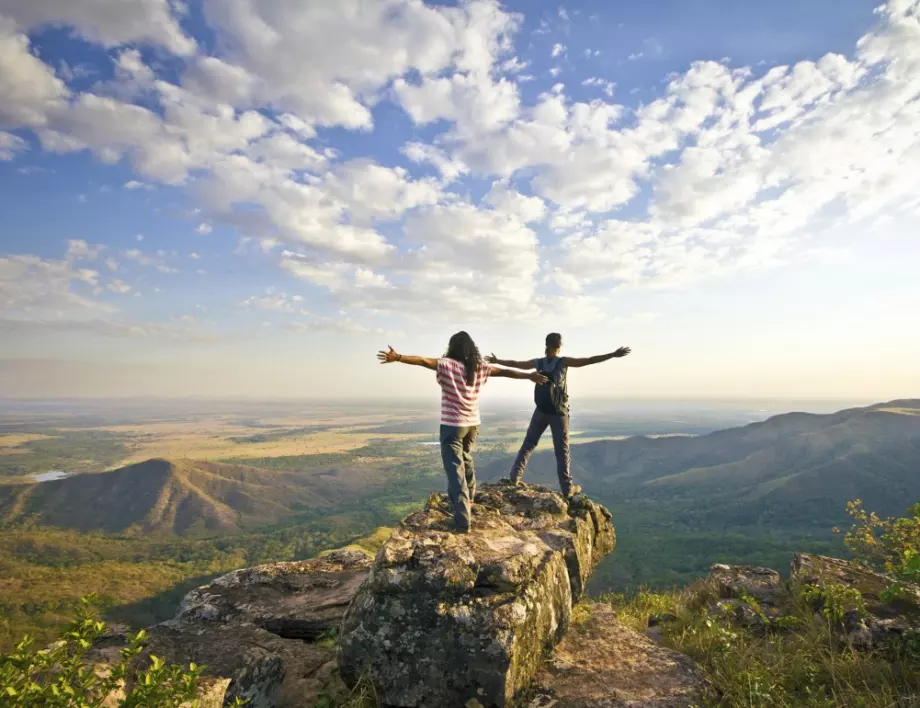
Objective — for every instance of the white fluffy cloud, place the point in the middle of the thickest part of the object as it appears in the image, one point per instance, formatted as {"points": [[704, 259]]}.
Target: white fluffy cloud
{"points": [[109, 22], [28, 87], [336, 57], [11, 144], [726, 169]]}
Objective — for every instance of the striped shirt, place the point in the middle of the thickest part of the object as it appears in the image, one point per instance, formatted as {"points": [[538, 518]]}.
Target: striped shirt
{"points": [[460, 400]]}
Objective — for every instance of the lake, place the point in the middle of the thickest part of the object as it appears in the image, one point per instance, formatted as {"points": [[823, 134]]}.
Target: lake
{"points": [[50, 476]]}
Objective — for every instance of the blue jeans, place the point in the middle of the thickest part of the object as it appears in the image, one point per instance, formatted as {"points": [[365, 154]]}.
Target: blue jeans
{"points": [[559, 425], [457, 455]]}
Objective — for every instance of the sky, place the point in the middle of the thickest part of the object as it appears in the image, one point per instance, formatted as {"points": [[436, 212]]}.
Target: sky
{"points": [[251, 197]]}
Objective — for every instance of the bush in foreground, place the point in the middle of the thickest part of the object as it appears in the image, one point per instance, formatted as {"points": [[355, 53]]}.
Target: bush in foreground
{"points": [[61, 674]]}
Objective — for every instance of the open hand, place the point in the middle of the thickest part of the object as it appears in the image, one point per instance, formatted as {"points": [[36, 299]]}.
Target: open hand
{"points": [[492, 359], [538, 378], [622, 351], [389, 356]]}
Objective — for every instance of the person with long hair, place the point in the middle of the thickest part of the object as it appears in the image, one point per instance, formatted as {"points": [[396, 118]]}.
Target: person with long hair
{"points": [[461, 373], [552, 407]]}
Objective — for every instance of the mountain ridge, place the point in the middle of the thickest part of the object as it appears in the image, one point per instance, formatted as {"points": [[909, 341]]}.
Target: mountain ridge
{"points": [[175, 497], [794, 463]]}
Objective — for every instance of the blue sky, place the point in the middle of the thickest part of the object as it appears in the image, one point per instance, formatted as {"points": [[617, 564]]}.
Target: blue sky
{"points": [[223, 197]]}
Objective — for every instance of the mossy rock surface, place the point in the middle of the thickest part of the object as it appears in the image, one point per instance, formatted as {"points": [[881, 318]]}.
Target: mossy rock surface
{"points": [[445, 618]]}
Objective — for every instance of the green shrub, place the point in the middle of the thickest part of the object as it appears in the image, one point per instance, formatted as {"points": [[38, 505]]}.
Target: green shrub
{"points": [[889, 545], [834, 600], [62, 676]]}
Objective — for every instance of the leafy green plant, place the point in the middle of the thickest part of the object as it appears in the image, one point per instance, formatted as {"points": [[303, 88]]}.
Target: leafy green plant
{"points": [[890, 545], [834, 600], [62, 676]]}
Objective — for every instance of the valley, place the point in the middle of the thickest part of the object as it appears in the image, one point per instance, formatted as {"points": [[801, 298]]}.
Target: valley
{"points": [[159, 498]]}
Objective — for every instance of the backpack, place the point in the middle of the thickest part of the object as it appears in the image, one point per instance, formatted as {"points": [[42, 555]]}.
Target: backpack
{"points": [[551, 397]]}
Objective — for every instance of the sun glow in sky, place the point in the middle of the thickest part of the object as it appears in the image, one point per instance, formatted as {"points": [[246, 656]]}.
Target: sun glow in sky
{"points": [[250, 197]]}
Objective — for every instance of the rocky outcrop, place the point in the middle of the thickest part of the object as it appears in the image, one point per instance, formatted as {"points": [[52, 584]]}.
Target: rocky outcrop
{"points": [[251, 630], [883, 618], [301, 600], [739, 581], [447, 618], [870, 615], [603, 664]]}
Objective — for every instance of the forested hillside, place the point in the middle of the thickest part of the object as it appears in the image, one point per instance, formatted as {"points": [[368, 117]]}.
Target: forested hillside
{"points": [[748, 494]]}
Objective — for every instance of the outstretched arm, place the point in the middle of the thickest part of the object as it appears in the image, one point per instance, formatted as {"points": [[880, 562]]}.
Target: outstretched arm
{"points": [[588, 360], [390, 355], [534, 376], [526, 365]]}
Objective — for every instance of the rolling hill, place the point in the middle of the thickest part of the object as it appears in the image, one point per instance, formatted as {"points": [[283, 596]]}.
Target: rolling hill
{"points": [[179, 497], [752, 495], [795, 470]]}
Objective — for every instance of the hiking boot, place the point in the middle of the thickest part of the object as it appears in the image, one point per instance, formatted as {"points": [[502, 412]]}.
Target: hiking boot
{"points": [[510, 481], [576, 489]]}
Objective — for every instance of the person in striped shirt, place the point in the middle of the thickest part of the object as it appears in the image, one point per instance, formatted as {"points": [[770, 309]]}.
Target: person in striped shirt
{"points": [[461, 373]]}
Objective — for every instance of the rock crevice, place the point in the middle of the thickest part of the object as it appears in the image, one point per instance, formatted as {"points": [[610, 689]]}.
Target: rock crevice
{"points": [[446, 618]]}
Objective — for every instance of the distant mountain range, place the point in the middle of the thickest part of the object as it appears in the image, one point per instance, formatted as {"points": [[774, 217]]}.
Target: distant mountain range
{"points": [[792, 471], [179, 497], [795, 470]]}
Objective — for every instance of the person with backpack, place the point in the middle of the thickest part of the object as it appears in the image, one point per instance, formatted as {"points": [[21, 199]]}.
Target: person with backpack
{"points": [[461, 373], [552, 407]]}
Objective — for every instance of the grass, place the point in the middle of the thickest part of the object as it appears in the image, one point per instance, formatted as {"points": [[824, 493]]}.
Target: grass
{"points": [[807, 666], [338, 695]]}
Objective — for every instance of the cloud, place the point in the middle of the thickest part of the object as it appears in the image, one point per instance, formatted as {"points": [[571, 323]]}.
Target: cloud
{"points": [[722, 169], [155, 260], [474, 102], [11, 144], [119, 286], [78, 250], [608, 86], [108, 22], [514, 65], [450, 168], [339, 55], [33, 287], [509, 201], [134, 184], [28, 87], [282, 302]]}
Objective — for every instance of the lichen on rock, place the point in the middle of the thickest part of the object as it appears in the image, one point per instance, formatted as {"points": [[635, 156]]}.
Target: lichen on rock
{"points": [[446, 618]]}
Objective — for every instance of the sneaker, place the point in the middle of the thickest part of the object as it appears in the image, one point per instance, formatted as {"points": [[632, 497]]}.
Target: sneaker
{"points": [[576, 489]]}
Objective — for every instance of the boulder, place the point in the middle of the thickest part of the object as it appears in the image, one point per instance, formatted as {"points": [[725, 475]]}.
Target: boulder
{"points": [[883, 620], [240, 661], [603, 664], [251, 629], [445, 618], [736, 582], [296, 600]]}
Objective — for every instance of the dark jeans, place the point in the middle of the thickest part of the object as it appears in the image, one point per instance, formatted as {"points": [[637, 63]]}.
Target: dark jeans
{"points": [[457, 454], [559, 425]]}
